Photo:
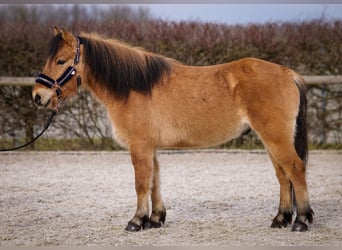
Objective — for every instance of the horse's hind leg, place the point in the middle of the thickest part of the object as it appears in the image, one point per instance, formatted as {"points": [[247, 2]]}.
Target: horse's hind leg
{"points": [[285, 156], [294, 169], [277, 135], [286, 204]]}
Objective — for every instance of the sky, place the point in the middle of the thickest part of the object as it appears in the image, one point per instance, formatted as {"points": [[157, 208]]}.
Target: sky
{"points": [[244, 13], [237, 13]]}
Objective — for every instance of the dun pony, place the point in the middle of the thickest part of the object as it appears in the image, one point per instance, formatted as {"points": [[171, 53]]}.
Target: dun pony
{"points": [[155, 102]]}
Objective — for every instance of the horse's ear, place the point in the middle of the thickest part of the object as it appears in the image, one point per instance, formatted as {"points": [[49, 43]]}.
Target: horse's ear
{"points": [[56, 31], [68, 38]]}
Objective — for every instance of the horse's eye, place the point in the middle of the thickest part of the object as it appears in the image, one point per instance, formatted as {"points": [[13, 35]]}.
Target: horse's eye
{"points": [[60, 62]]}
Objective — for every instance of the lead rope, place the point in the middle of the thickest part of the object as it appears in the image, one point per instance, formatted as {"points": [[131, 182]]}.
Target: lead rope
{"points": [[46, 126]]}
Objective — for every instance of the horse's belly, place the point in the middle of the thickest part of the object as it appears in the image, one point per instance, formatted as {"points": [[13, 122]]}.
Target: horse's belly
{"points": [[189, 137]]}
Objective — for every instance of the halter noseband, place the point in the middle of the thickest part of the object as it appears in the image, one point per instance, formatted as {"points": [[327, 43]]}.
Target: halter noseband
{"points": [[65, 77]]}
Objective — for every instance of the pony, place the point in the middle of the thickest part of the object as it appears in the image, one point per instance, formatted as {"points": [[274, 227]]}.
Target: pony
{"points": [[155, 102]]}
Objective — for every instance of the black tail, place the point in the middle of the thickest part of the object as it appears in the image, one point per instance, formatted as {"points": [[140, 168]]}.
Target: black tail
{"points": [[301, 134], [301, 138]]}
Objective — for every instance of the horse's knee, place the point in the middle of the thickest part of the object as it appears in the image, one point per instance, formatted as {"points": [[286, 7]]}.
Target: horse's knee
{"points": [[143, 170]]}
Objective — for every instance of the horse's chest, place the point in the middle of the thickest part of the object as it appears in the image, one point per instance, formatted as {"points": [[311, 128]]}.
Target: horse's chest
{"points": [[118, 136]]}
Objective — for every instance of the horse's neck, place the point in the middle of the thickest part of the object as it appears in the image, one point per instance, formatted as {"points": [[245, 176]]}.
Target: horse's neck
{"points": [[107, 98]]}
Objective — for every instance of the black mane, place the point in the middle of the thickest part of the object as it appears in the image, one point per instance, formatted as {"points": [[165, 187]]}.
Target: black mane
{"points": [[121, 68]]}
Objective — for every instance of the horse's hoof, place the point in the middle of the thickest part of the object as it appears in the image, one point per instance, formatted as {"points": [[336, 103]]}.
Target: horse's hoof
{"points": [[309, 215], [132, 227], [286, 219], [299, 226], [152, 224], [278, 224]]}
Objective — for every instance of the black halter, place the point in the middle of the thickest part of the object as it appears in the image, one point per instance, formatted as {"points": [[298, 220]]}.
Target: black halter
{"points": [[65, 77]]}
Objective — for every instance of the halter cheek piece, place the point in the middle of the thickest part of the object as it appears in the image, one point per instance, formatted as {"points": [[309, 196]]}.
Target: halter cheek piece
{"points": [[65, 77]]}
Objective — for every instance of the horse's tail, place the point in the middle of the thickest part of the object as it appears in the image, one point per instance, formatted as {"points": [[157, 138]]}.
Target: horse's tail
{"points": [[301, 138]]}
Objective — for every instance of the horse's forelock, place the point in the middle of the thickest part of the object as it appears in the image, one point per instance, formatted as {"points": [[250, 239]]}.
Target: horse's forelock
{"points": [[54, 45]]}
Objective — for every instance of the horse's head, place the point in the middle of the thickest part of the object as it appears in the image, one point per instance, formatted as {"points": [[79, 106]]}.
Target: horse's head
{"points": [[62, 72]]}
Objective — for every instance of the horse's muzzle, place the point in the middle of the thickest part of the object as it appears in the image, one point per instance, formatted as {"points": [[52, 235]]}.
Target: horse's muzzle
{"points": [[41, 101], [38, 100]]}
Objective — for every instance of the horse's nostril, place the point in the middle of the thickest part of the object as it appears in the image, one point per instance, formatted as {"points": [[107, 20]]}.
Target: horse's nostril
{"points": [[37, 99]]}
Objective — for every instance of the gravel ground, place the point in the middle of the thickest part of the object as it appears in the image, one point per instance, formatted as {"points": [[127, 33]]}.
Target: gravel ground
{"points": [[211, 197]]}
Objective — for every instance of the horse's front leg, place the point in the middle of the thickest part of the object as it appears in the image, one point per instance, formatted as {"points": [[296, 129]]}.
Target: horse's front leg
{"points": [[142, 159], [158, 210]]}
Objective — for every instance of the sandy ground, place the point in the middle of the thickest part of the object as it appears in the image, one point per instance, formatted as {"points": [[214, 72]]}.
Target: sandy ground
{"points": [[211, 197]]}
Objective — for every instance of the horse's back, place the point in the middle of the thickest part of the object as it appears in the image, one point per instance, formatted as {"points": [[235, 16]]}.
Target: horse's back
{"points": [[200, 106]]}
